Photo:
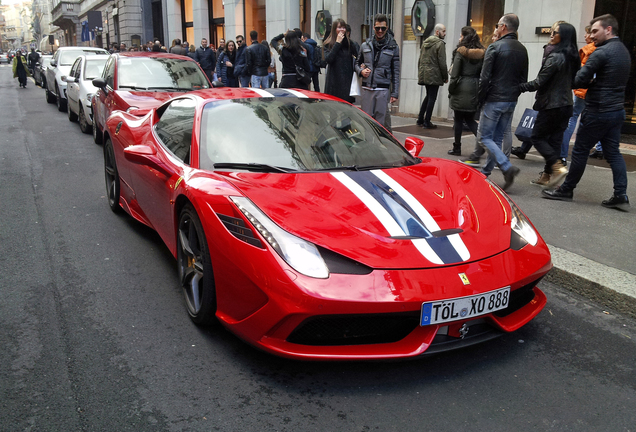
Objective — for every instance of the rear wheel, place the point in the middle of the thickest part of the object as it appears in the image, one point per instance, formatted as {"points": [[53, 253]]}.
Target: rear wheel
{"points": [[195, 268], [97, 134], [112, 177], [85, 127], [72, 117]]}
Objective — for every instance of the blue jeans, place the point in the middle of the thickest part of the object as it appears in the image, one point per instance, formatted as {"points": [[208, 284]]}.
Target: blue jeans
{"points": [[606, 128], [245, 80], [496, 119], [577, 109], [260, 81]]}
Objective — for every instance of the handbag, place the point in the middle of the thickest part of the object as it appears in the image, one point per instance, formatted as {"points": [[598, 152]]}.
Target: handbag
{"points": [[302, 75], [526, 124], [355, 89]]}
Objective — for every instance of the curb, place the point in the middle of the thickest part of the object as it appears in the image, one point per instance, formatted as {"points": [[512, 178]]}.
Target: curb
{"points": [[613, 288]]}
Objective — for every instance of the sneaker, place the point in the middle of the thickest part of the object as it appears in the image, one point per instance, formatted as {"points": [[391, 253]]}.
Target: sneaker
{"points": [[617, 202], [518, 152], [558, 173], [564, 162], [543, 180], [509, 176], [472, 161], [557, 194]]}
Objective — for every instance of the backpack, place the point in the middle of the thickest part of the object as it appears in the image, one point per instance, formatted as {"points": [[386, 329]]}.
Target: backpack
{"points": [[317, 58]]}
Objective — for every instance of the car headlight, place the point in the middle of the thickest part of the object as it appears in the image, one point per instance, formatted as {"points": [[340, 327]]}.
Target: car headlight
{"points": [[300, 254], [522, 231]]}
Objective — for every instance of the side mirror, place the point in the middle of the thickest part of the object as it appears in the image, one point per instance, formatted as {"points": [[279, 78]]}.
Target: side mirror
{"points": [[69, 79], [145, 155], [53, 63], [413, 145], [99, 83]]}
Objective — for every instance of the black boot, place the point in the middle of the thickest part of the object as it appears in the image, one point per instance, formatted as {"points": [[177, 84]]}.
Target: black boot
{"points": [[456, 150]]}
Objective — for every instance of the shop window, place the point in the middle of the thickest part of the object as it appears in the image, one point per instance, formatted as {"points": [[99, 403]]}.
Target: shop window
{"points": [[483, 15]]}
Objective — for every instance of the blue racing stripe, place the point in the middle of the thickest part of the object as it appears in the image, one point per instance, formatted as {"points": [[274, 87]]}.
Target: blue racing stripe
{"points": [[403, 214]]}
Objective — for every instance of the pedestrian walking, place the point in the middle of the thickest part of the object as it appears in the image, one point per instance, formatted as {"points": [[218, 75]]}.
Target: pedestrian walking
{"points": [[257, 60], [240, 73], [32, 60], [432, 73], [340, 58], [554, 102], [379, 65], [314, 54], [463, 89], [20, 69], [292, 54], [505, 67], [177, 48], [605, 75], [206, 58], [225, 65]]}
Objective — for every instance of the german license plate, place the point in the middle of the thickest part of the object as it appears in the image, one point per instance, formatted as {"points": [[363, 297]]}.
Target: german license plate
{"points": [[464, 307]]}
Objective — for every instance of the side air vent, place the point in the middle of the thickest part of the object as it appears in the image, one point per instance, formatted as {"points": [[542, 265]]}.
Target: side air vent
{"points": [[239, 230]]}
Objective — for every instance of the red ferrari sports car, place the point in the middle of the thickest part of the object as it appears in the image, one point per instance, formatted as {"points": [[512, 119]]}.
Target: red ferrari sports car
{"points": [[139, 81], [308, 231]]}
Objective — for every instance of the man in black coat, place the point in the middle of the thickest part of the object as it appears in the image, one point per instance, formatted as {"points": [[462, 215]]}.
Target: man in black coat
{"points": [[206, 58], [257, 60], [605, 75]]}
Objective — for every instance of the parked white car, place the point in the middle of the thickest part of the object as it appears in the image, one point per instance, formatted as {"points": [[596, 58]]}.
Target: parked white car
{"points": [[80, 89], [59, 67]]}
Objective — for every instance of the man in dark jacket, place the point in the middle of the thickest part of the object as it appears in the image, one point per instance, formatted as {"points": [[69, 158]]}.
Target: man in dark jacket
{"points": [[33, 59], [432, 73], [240, 70], [206, 58], [257, 60], [605, 75], [379, 66], [505, 68], [313, 53]]}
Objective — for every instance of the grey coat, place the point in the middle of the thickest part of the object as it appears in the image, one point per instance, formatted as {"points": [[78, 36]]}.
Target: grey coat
{"points": [[385, 73]]}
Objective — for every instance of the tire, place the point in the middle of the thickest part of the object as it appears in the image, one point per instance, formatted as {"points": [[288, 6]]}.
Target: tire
{"points": [[72, 117], [85, 127], [61, 103], [195, 268], [112, 177], [97, 134], [49, 96]]}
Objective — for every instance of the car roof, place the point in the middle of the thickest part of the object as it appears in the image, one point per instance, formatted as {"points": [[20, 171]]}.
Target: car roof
{"points": [[152, 54], [66, 48]]}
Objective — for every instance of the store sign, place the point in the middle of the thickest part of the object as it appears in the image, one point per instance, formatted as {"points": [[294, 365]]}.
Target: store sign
{"points": [[543, 30]]}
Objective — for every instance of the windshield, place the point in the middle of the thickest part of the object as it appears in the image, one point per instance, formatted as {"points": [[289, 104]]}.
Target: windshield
{"points": [[94, 68], [67, 57], [160, 73], [45, 61], [296, 134]]}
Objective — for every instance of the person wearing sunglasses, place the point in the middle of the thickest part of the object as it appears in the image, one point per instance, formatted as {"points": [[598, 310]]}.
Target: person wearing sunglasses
{"points": [[379, 66]]}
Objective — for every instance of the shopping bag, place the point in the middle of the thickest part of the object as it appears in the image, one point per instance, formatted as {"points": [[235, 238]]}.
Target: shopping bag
{"points": [[526, 124], [355, 89]]}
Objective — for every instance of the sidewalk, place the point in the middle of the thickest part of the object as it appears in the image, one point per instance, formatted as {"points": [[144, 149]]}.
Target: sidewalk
{"points": [[610, 286]]}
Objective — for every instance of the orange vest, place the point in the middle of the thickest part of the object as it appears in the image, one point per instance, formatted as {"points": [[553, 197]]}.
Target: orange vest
{"points": [[585, 53]]}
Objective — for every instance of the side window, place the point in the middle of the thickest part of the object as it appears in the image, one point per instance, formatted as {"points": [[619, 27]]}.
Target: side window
{"points": [[75, 68], [80, 64], [109, 73], [56, 56], [174, 129]]}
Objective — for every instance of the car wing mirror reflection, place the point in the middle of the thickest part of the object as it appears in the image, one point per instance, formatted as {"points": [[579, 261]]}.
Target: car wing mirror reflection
{"points": [[413, 145]]}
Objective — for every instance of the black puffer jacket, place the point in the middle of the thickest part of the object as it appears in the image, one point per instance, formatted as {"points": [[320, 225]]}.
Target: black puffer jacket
{"points": [[611, 64], [553, 84], [505, 67], [464, 81], [257, 59]]}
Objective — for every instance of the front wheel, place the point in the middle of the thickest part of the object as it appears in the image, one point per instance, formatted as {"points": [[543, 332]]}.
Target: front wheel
{"points": [[112, 177], [97, 134], [72, 117], [195, 268], [61, 103]]}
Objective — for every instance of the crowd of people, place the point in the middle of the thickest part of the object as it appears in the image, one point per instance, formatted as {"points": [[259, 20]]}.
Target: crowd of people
{"points": [[483, 82]]}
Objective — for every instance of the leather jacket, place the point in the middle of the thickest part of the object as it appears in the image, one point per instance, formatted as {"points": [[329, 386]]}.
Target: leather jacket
{"points": [[553, 83], [505, 67], [257, 59], [605, 75]]}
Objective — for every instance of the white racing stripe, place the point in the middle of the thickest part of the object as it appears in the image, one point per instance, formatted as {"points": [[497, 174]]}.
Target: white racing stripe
{"points": [[295, 93], [385, 217], [261, 92], [422, 213]]}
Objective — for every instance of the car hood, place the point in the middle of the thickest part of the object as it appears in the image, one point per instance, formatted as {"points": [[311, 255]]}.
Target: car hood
{"points": [[432, 214], [143, 100]]}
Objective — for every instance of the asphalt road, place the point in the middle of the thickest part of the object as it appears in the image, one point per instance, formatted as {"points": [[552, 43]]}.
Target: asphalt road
{"points": [[94, 335]]}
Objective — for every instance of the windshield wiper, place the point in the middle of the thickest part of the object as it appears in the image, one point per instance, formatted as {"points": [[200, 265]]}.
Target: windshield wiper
{"points": [[132, 87], [252, 167], [169, 88]]}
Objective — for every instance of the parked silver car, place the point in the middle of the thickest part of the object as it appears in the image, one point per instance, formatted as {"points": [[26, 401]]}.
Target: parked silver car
{"points": [[60, 66], [80, 89]]}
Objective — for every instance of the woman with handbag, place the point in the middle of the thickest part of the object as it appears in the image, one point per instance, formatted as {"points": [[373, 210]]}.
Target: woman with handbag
{"points": [[554, 101], [464, 84], [339, 54], [293, 56]]}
